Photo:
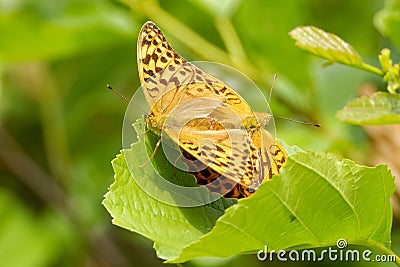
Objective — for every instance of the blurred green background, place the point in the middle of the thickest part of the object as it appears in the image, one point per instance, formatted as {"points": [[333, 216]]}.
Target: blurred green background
{"points": [[60, 127]]}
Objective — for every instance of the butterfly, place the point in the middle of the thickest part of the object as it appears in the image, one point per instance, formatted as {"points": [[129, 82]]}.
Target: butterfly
{"points": [[223, 142]]}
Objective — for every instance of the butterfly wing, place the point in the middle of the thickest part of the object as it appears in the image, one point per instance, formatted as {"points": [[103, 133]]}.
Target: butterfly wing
{"points": [[273, 149], [224, 151], [168, 79], [241, 159]]}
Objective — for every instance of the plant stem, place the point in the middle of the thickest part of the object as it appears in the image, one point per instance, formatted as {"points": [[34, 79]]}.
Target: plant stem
{"points": [[180, 31], [231, 40], [44, 90]]}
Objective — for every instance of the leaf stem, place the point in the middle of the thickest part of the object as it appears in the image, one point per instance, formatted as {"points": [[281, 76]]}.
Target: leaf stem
{"points": [[367, 67]]}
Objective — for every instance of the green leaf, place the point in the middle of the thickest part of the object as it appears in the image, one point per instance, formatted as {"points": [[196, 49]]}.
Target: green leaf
{"points": [[170, 227], [315, 201], [325, 45], [329, 46], [378, 109]]}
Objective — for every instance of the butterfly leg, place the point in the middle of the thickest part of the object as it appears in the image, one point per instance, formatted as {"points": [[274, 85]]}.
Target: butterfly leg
{"points": [[144, 132], [152, 155], [176, 163]]}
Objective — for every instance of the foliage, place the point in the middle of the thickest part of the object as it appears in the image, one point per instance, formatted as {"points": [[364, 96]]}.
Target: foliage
{"points": [[375, 110], [315, 201], [380, 108]]}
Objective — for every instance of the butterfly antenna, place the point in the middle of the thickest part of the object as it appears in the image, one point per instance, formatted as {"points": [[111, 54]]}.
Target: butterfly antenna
{"points": [[117, 93], [269, 101], [301, 122], [126, 99], [272, 87]]}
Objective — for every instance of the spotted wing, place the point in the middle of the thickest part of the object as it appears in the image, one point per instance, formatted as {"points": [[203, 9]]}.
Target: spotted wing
{"points": [[229, 152], [168, 79], [233, 162]]}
